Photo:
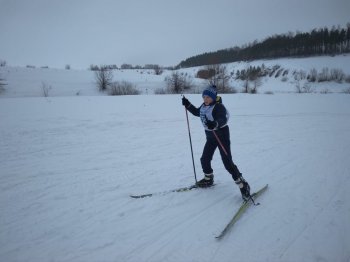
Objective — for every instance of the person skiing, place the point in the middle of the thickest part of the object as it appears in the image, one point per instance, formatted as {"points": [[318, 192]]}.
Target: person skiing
{"points": [[214, 117]]}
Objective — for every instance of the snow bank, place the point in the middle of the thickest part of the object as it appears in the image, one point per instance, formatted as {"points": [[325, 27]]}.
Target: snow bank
{"points": [[28, 82]]}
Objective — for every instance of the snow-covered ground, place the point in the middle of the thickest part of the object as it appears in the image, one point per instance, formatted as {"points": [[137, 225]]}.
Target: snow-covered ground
{"points": [[69, 162]]}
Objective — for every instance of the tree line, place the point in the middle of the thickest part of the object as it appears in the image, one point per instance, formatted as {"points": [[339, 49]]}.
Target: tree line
{"points": [[322, 41]]}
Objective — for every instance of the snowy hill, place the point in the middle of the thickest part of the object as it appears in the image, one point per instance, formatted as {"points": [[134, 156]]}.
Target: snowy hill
{"points": [[69, 164], [28, 82]]}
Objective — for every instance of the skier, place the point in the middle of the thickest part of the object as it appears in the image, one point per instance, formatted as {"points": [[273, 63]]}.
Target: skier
{"points": [[214, 117]]}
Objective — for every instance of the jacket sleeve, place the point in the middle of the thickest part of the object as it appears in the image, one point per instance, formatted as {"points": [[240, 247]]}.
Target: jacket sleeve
{"points": [[193, 110], [219, 115]]}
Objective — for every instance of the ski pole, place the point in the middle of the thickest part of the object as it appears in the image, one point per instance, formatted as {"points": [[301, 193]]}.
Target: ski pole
{"points": [[189, 135], [219, 141]]}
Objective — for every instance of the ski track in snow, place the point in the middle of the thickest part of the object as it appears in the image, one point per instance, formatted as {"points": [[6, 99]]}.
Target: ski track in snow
{"points": [[68, 166]]}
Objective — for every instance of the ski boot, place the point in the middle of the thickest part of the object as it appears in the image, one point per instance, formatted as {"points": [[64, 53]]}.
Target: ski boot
{"points": [[207, 181], [244, 187]]}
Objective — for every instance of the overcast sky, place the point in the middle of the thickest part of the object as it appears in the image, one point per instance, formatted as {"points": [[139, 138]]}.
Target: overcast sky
{"points": [[138, 32]]}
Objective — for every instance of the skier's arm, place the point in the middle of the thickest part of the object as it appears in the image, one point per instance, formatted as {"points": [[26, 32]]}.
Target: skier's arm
{"points": [[191, 108], [194, 110]]}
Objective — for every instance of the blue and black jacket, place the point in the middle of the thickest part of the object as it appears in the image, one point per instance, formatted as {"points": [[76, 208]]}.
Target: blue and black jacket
{"points": [[216, 111]]}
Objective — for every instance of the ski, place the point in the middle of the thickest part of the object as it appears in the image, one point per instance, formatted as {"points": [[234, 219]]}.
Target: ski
{"points": [[180, 189], [240, 212]]}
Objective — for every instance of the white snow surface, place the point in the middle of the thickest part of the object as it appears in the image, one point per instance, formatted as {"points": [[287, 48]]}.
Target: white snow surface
{"points": [[68, 165]]}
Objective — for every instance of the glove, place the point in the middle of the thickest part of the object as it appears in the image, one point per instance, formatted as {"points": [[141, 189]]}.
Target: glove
{"points": [[212, 124], [185, 101]]}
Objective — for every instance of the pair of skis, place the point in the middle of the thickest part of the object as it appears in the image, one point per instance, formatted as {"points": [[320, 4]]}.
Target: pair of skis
{"points": [[245, 205]]}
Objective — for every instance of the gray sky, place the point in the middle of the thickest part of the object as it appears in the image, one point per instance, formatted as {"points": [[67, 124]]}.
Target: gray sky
{"points": [[84, 32]]}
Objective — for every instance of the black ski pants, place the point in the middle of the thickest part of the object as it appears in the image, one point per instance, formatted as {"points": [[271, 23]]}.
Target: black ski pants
{"points": [[210, 147]]}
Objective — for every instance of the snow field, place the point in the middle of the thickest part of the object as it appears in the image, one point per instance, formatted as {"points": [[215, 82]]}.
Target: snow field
{"points": [[69, 164]]}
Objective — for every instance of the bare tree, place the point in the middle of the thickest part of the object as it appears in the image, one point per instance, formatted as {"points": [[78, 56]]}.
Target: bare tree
{"points": [[246, 86], [178, 82], [94, 67], [157, 70], [256, 83], [220, 77], [45, 87], [2, 85], [126, 66], [175, 82], [123, 88], [251, 75], [104, 78]]}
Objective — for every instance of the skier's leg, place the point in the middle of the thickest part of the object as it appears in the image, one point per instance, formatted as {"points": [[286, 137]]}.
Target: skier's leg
{"points": [[229, 164], [207, 156], [226, 155]]}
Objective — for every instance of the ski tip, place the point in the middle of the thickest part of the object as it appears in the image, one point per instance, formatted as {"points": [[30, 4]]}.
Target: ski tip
{"points": [[264, 188], [141, 196], [132, 196]]}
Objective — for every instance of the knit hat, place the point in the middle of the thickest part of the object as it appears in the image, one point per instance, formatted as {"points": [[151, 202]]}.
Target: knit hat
{"points": [[211, 92]]}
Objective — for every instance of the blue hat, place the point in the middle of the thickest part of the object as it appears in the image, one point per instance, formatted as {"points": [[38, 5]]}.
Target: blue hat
{"points": [[211, 92]]}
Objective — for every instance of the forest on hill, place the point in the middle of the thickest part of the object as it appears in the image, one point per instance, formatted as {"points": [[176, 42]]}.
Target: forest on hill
{"points": [[322, 41]]}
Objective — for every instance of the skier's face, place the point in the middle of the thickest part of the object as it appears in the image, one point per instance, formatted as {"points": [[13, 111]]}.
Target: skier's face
{"points": [[207, 100]]}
